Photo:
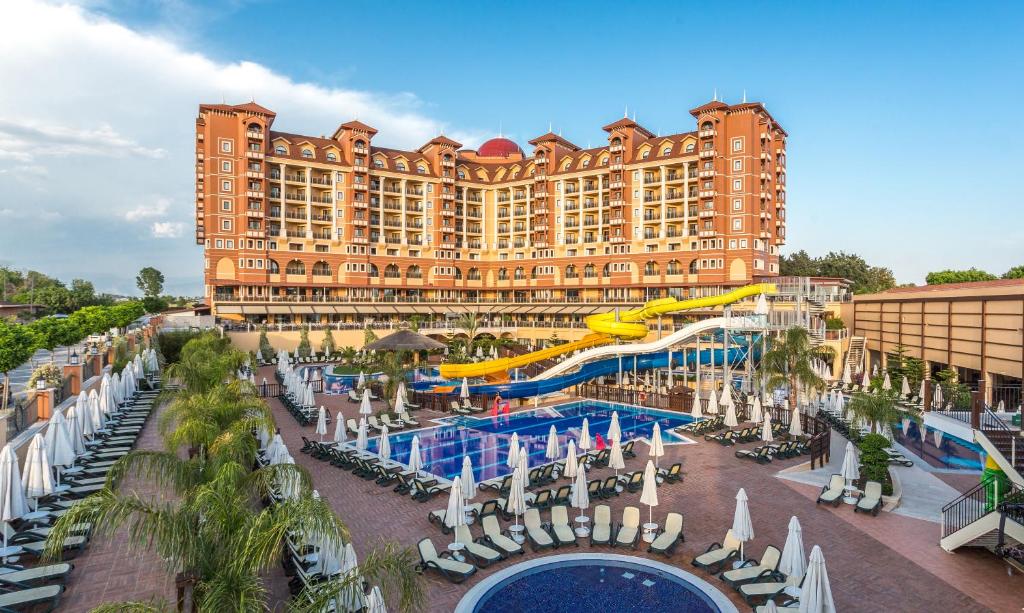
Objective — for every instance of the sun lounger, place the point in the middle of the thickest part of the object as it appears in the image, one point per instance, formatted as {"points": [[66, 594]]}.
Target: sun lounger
{"points": [[483, 555], [629, 530], [423, 493], [353, 397], [31, 597], [457, 409], [38, 575], [670, 537], [756, 593], [601, 533], [753, 571], [560, 528], [535, 532], [543, 500], [450, 569], [563, 495], [373, 423], [502, 487], [724, 438], [352, 426], [718, 554], [761, 455], [673, 474], [594, 489], [871, 500], [833, 492], [497, 539], [634, 482], [627, 450], [408, 419]]}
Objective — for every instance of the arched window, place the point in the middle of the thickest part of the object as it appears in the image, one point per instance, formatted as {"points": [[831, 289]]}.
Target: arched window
{"points": [[255, 127], [360, 144], [413, 272], [458, 273], [374, 272], [331, 156], [503, 274], [520, 273], [473, 274], [400, 166], [273, 267], [616, 141], [570, 272], [694, 267], [462, 175], [645, 154], [689, 147], [447, 158], [674, 268], [666, 151], [295, 267], [651, 268], [535, 272], [391, 272], [280, 150], [421, 169], [307, 153], [589, 271], [378, 163], [322, 269], [707, 125]]}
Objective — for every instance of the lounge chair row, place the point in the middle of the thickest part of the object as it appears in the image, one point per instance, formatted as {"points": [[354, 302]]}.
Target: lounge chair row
{"points": [[868, 501], [703, 426], [757, 580]]}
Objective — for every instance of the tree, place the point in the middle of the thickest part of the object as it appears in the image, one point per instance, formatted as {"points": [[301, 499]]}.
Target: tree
{"points": [[788, 361], [17, 342], [415, 321], [470, 323], [368, 335], [879, 408], [82, 293], [154, 304], [327, 345], [150, 281], [901, 365], [49, 332], [266, 349], [798, 265], [942, 277], [304, 348], [1017, 272], [864, 278]]}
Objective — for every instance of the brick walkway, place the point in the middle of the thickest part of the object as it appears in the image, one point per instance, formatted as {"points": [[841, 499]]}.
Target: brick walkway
{"points": [[887, 563]]}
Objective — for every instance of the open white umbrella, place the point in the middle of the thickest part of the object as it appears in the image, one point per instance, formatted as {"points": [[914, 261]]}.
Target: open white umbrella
{"points": [[384, 444], [415, 457], [755, 412], [584, 443], [792, 563], [361, 441], [37, 477], [615, 459], [580, 499], [657, 447], [713, 403], [468, 479], [375, 601], [766, 428], [552, 452], [517, 497], [614, 431], [60, 451], [850, 470], [571, 462], [649, 495], [795, 427], [365, 408], [730, 416], [513, 451], [321, 422], [340, 434], [12, 494], [742, 528], [816, 593]]}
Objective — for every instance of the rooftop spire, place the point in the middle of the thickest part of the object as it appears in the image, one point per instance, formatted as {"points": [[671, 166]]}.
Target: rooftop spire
{"points": [[744, 96], [716, 95]]}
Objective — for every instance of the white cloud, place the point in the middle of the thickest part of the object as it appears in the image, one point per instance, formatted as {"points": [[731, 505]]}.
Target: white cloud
{"points": [[102, 119], [168, 229]]}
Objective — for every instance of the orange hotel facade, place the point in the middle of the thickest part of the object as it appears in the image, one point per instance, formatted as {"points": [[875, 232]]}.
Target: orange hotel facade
{"points": [[302, 229]]}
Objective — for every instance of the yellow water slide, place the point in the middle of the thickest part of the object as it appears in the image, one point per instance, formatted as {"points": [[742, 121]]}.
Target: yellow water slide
{"points": [[606, 328]]}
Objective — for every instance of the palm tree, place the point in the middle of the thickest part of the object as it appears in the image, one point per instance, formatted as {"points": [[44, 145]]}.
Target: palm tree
{"points": [[470, 322], [788, 362], [880, 408], [218, 417]]}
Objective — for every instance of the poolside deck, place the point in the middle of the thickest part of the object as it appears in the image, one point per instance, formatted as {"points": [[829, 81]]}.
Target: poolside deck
{"points": [[884, 563]]}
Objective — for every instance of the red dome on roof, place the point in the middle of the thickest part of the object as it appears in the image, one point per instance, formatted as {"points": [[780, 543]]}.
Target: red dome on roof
{"points": [[499, 147]]}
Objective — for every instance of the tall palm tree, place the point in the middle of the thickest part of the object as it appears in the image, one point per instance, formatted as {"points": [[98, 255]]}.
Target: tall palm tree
{"points": [[219, 416], [788, 361], [880, 408], [470, 322]]}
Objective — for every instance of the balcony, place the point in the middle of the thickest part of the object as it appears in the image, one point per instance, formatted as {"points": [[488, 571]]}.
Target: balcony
{"points": [[765, 176], [617, 202], [252, 194], [200, 155], [254, 135], [766, 196], [254, 175], [707, 133], [360, 150], [708, 153], [707, 193], [540, 160], [445, 196], [616, 166], [359, 168], [706, 233], [447, 161], [616, 148], [707, 174], [706, 214], [254, 213], [616, 185], [254, 155]]}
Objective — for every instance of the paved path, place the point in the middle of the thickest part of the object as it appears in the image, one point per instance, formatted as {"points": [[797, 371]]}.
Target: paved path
{"points": [[885, 563]]}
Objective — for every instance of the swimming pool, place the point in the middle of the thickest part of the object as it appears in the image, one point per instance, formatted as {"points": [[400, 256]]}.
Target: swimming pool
{"points": [[485, 439], [590, 582], [940, 449]]}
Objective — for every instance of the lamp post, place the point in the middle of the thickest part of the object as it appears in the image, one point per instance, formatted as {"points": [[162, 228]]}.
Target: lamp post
{"points": [[73, 359]]}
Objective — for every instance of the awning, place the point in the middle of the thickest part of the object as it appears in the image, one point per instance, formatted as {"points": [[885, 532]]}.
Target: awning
{"points": [[229, 309], [254, 310], [384, 309], [303, 309], [345, 310], [278, 310]]}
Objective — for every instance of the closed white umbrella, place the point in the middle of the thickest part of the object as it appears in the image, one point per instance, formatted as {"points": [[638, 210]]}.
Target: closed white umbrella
{"points": [[361, 382], [937, 398], [321, 422], [339, 428], [657, 447], [95, 414], [795, 427], [874, 371], [310, 399], [401, 393], [37, 478], [524, 463], [937, 437], [273, 448], [921, 390], [106, 397], [399, 404], [571, 462], [365, 408], [352, 597], [517, 498], [479, 351], [614, 431], [468, 479], [742, 528], [513, 451], [455, 514], [615, 460], [12, 494], [361, 441], [847, 377], [384, 444], [905, 387], [415, 458], [375, 601], [755, 413], [649, 495], [697, 412], [726, 396], [584, 442], [866, 379], [74, 419], [730, 416], [552, 452], [766, 428], [581, 499], [464, 391], [60, 451], [816, 593], [118, 388], [887, 382], [850, 470], [713, 403], [259, 356], [792, 563]]}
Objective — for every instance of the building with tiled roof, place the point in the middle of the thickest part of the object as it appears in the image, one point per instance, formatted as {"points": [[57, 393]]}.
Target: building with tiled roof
{"points": [[294, 218]]}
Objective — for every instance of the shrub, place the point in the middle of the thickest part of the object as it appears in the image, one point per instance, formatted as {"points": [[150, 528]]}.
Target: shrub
{"points": [[51, 373], [874, 461], [169, 344], [304, 349], [266, 349], [327, 346], [834, 323]]}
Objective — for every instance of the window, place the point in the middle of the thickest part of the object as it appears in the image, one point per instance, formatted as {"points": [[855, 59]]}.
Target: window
{"points": [[225, 166], [666, 151], [307, 153], [586, 163], [462, 175], [737, 185], [400, 166], [378, 163], [737, 204], [219, 243], [689, 147], [225, 146], [226, 224], [645, 154], [280, 150], [295, 267], [707, 125], [225, 186], [732, 244], [737, 164], [421, 169], [737, 224], [737, 144], [332, 157], [225, 205]]}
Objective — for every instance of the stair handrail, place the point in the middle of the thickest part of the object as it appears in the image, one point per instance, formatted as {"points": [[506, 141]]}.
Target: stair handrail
{"points": [[969, 507]]}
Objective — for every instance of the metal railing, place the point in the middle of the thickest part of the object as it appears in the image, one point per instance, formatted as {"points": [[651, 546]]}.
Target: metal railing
{"points": [[970, 506]]}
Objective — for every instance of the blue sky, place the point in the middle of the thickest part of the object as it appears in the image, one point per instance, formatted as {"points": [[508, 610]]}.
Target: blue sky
{"points": [[899, 114]]}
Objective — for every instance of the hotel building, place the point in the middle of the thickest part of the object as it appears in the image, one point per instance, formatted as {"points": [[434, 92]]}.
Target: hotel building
{"points": [[308, 229]]}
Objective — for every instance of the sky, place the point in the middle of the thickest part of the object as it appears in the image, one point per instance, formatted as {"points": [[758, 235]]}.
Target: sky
{"points": [[897, 139]]}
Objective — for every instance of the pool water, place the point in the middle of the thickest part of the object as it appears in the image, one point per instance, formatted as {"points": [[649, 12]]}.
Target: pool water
{"points": [[485, 439], [946, 452], [595, 585]]}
